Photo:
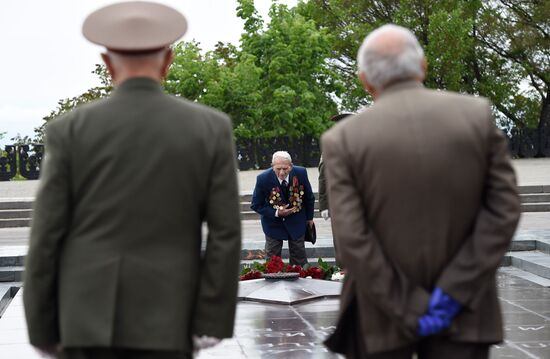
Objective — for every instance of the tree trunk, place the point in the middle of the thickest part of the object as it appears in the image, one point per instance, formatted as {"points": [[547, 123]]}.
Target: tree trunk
{"points": [[544, 121], [544, 126]]}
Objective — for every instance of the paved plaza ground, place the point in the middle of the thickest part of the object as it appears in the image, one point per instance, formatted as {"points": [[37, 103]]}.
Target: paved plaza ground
{"points": [[271, 331], [282, 331]]}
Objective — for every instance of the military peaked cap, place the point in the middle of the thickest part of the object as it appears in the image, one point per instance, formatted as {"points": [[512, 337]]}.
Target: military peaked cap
{"points": [[134, 26]]}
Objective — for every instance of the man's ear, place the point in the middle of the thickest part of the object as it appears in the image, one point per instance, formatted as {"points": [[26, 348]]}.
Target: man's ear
{"points": [[166, 62], [109, 63], [366, 85]]}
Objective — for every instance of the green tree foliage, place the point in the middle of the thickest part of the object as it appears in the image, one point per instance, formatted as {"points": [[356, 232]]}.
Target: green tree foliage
{"points": [[296, 86], [224, 78], [289, 75], [442, 28], [21, 140], [517, 33], [277, 83], [65, 105], [499, 49]]}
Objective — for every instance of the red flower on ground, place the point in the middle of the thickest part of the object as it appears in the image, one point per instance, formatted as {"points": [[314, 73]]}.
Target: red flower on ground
{"points": [[251, 275], [315, 273], [296, 269], [274, 265]]}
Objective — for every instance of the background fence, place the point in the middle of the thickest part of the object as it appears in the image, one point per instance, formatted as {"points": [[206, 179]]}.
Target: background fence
{"points": [[25, 160]]}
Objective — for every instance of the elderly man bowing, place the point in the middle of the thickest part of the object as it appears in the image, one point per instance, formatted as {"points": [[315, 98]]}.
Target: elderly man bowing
{"points": [[284, 199], [114, 268]]}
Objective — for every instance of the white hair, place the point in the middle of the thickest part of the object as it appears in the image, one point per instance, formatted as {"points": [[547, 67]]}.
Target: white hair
{"points": [[283, 155], [384, 62]]}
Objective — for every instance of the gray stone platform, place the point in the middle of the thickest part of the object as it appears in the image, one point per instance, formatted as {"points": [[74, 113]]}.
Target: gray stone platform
{"points": [[297, 331]]}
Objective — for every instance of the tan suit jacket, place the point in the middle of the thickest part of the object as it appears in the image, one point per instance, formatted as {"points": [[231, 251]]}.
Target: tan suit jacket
{"points": [[422, 194], [115, 250]]}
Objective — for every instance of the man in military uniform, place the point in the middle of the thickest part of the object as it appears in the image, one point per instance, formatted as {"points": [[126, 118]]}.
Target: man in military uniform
{"points": [[323, 196], [114, 268]]}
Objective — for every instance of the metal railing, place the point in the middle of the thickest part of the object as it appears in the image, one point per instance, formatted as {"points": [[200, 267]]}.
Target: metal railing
{"points": [[23, 160]]}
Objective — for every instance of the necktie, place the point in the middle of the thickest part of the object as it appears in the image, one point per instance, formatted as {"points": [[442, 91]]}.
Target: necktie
{"points": [[284, 186]]}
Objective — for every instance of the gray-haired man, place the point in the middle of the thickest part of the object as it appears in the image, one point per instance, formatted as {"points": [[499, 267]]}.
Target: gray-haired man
{"points": [[424, 204], [284, 199]]}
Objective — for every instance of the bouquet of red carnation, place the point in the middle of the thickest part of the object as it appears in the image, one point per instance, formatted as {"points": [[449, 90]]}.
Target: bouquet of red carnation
{"points": [[251, 275], [296, 269], [274, 265], [315, 273]]}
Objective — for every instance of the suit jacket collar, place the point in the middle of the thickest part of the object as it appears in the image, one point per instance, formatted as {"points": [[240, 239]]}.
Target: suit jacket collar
{"points": [[275, 179], [139, 83], [401, 85]]}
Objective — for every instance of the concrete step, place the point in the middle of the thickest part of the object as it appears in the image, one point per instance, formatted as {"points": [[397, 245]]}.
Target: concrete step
{"points": [[11, 274], [534, 262], [530, 203], [248, 214], [535, 207], [543, 246], [7, 292], [18, 211], [534, 197], [529, 194], [529, 259], [12, 223], [12, 261], [534, 189], [526, 275], [15, 213], [16, 204]]}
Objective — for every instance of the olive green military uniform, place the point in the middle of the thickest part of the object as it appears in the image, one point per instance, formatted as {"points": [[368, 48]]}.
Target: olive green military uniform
{"points": [[115, 250]]}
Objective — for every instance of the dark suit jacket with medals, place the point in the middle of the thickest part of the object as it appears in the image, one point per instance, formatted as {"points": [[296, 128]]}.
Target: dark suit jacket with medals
{"points": [[422, 195], [115, 248], [267, 188]]}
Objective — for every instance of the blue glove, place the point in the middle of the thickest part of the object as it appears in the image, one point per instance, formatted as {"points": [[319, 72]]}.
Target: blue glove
{"points": [[431, 324], [441, 310], [443, 304]]}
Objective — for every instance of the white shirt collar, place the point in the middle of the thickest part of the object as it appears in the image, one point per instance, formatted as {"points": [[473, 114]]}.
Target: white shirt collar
{"points": [[286, 179]]}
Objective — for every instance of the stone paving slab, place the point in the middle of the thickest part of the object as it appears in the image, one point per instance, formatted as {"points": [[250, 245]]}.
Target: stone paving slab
{"points": [[270, 332]]}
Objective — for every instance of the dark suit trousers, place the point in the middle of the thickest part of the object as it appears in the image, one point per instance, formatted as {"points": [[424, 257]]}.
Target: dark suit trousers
{"points": [[434, 348], [118, 353], [347, 339], [296, 249]]}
